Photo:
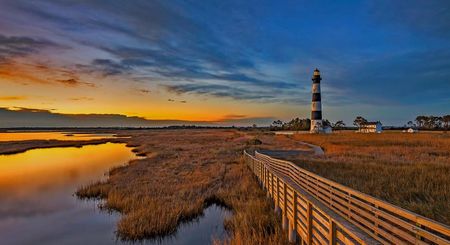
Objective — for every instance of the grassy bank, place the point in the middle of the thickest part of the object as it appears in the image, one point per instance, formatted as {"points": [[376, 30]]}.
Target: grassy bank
{"points": [[408, 170], [183, 171], [14, 147]]}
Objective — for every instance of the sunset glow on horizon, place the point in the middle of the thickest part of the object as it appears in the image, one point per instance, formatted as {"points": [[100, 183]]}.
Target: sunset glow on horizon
{"points": [[227, 61]]}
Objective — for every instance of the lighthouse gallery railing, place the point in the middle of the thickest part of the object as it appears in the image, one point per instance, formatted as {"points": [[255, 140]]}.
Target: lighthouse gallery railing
{"points": [[384, 222]]}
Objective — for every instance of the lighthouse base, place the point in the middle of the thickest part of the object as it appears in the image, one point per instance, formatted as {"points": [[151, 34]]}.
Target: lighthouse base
{"points": [[316, 127]]}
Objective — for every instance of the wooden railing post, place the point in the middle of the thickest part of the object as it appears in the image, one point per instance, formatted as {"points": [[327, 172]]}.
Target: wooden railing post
{"points": [[332, 232], [267, 179], [418, 237], [292, 235], [277, 192], [376, 221], [265, 176], [271, 184], [253, 165], [309, 223], [260, 174], [292, 223], [285, 221]]}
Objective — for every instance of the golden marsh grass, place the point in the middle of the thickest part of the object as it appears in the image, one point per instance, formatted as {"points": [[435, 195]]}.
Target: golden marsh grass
{"points": [[184, 171], [408, 170]]}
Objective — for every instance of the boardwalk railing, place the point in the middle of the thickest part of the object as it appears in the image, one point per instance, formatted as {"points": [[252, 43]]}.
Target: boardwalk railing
{"points": [[321, 211]]}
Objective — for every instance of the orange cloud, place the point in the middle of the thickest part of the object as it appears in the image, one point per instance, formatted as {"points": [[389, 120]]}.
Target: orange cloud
{"points": [[19, 73], [13, 97], [81, 98]]}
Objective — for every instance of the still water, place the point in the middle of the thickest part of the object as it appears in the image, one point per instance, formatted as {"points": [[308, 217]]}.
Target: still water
{"points": [[204, 230], [50, 135], [37, 205]]}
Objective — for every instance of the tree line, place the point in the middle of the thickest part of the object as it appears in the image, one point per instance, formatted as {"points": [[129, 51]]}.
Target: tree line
{"points": [[421, 122], [303, 124], [430, 122]]}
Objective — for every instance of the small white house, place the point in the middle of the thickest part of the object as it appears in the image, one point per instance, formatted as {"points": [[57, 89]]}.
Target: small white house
{"points": [[412, 130], [371, 127]]}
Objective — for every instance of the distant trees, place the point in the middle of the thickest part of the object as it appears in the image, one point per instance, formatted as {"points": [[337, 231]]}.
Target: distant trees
{"points": [[359, 120], [446, 121], [433, 122], [338, 125], [421, 122], [277, 124], [296, 124], [299, 124]]}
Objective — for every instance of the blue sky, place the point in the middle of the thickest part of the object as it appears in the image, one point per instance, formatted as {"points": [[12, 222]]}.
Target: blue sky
{"points": [[385, 60]]}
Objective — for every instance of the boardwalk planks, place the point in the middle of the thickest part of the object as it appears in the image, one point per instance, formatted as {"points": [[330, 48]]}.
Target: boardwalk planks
{"points": [[326, 212]]}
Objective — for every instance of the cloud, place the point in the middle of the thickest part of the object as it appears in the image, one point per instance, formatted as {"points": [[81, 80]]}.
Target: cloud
{"points": [[83, 98], [384, 53], [25, 109], [72, 82], [178, 47], [179, 101], [13, 46], [31, 117], [104, 67], [217, 90], [173, 64], [234, 116], [17, 63], [144, 91], [7, 98]]}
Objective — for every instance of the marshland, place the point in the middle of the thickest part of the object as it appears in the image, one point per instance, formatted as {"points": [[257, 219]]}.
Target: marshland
{"points": [[181, 174], [409, 170]]}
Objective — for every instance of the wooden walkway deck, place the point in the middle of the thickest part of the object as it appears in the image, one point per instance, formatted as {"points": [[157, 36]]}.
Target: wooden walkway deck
{"points": [[316, 210]]}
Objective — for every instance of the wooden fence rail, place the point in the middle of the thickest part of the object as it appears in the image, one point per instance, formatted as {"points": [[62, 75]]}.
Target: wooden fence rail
{"points": [[321, 211]]}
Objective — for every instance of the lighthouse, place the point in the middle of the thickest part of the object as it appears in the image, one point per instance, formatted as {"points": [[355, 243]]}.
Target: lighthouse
{"points": [[316, 105]]}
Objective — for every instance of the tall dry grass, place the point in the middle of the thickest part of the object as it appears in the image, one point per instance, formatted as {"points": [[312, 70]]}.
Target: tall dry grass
{"points": [[408, 170], [182, 173]]}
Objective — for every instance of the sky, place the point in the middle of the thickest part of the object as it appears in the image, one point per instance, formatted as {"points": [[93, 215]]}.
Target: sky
{"points": [[226, 62]]}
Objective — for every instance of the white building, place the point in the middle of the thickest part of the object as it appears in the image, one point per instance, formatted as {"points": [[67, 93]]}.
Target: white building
{"points": [[327, 130], [412, 130], [371, 127]]}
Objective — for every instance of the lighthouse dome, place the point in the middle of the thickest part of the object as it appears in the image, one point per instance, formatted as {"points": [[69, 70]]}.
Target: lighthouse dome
{"points": [[316, 72]]}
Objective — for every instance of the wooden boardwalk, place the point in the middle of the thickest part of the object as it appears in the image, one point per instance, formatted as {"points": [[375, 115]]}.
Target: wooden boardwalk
{"points": [[316, 210]]}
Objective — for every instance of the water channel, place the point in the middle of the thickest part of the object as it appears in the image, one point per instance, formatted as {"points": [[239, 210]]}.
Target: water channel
{"points": [[37, 205]]}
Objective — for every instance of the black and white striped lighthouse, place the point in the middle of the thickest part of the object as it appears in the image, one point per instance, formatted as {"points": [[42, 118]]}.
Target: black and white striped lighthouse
{"points": [[316, 106]]}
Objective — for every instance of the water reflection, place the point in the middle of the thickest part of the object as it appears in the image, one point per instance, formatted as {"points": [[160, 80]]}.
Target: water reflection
{"points": [[200, 231], [37, 205], [51, 135], [36, 202]]}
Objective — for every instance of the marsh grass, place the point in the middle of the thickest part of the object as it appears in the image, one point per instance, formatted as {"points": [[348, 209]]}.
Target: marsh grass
{"points": [[183, 173], [14, 147], [408, 170]]}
